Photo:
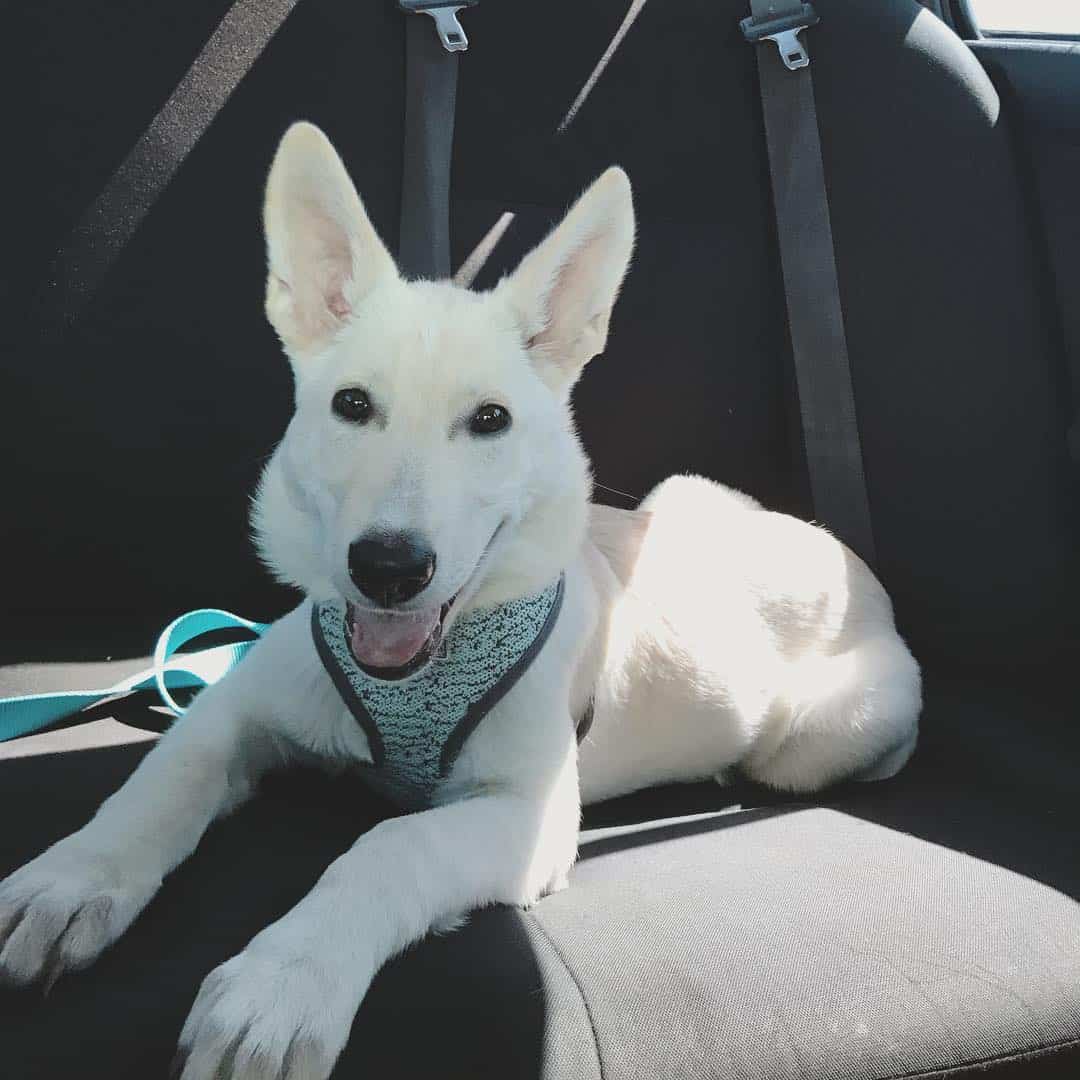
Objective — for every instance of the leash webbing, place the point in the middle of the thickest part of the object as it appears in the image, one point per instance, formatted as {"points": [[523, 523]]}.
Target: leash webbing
{"points": [[171, 670]]}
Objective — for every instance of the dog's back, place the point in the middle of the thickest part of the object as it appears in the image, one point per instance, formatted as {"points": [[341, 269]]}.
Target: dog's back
{"points": [[732, 635]]}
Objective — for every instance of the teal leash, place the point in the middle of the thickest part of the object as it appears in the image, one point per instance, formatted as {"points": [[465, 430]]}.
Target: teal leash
{"points": [[171, 671]]}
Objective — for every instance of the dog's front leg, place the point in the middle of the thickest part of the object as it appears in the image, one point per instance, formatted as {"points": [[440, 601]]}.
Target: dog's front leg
{"points": [[62, 909], [283, 1008]]}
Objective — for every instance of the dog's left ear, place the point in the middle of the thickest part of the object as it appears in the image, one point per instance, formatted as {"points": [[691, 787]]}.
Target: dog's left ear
{"points": [[565, 288], [323, 251]]}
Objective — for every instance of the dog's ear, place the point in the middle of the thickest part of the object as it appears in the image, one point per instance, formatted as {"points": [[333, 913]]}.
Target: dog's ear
{"points": [[324, 255], [565, 288]]}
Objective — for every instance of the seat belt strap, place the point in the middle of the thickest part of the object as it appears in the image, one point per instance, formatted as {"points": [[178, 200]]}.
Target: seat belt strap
{"points": [[141, 178], [815, 316], [431, 72]]}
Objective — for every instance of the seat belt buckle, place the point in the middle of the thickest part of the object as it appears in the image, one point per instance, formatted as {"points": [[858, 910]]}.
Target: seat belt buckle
{"points": [[784, 30], [445, 13]]}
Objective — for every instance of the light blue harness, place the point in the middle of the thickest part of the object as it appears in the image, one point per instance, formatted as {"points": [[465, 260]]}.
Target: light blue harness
{"points": [[416, 726]]}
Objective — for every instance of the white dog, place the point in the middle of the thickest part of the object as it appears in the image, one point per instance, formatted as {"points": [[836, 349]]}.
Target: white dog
{"points": [[432, 500]]}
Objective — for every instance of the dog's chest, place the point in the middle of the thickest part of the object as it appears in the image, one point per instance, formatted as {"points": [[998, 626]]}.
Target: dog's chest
{"points": [[417, 726]]}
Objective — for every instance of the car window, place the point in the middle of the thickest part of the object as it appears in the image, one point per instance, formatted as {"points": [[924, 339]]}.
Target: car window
{"points": [[1027, 16]]}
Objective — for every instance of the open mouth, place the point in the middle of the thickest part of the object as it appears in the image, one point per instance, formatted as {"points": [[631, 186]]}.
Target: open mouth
{"points": [[394, 645]]}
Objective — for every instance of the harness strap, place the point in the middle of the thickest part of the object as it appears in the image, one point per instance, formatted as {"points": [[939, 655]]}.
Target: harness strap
{"points": [[417, 726], [32, 712]]}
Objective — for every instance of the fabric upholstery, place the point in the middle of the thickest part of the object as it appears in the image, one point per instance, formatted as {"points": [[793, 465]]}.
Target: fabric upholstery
{"points": [[883, 930], [1039, 82]]}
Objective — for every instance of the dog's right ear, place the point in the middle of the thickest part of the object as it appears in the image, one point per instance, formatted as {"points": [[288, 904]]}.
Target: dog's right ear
{"points": [[324, 255]]}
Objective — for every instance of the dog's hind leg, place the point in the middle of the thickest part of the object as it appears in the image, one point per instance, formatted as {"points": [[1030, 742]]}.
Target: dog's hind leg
{"points": [[846, 716]]}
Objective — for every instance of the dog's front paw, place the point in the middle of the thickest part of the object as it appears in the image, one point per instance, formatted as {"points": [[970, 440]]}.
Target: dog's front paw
{"points": [[265, 1015], [60, 911]]}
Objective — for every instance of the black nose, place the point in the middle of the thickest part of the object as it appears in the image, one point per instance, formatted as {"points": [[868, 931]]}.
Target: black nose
{"points": [[391, 568]]}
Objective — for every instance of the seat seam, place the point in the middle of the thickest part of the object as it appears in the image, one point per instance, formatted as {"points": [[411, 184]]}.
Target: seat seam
{"points": [[577, 986], [1012, 1055]]}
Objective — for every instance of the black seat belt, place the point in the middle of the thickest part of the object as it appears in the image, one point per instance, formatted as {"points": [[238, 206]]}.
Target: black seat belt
{"points": [[815, 316], [140, 179], [431, 70]]}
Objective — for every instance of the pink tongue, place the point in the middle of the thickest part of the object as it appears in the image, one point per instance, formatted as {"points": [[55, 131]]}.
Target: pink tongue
{"points": [[389, 641]]}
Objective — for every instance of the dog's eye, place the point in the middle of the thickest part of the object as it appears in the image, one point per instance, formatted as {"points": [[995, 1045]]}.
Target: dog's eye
{"points": [[353, 405], [489, 419]]}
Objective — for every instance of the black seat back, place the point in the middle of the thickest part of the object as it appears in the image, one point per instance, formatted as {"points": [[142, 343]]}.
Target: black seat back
{"points": [[132, 444]]}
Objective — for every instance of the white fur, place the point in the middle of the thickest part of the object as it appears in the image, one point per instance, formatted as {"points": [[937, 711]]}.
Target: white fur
{"points": [[711, 633]]}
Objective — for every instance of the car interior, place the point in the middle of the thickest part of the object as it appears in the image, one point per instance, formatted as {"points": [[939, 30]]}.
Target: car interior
{"points": [[925, 925]]}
